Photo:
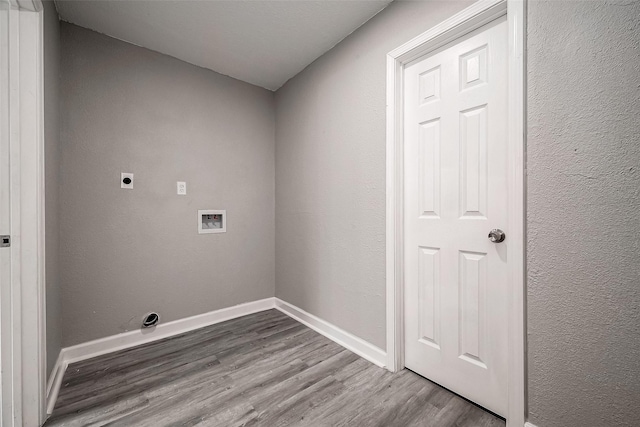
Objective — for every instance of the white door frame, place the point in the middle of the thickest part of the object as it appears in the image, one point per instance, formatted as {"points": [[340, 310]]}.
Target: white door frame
{"points": [[470, 19], [22, 295]]}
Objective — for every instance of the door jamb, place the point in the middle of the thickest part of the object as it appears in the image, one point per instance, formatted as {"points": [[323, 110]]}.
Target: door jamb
{"points": [[23, 383], [475, 16]]}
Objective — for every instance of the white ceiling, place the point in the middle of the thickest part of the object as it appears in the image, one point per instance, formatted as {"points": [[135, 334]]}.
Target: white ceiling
{"points": [[262, 42]]}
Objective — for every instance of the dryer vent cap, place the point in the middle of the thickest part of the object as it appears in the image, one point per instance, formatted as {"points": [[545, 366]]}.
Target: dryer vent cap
{"points": [[150, 320]]}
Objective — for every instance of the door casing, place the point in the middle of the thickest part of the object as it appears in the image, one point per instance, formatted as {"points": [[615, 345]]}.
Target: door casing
{"points": [[469, 19], [22, 294]]}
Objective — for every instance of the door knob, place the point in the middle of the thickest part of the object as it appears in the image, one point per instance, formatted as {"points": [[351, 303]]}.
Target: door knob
{"points": [[496, 235]]}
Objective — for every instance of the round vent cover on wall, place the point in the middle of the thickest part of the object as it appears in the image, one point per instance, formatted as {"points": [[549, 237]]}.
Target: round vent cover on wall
{"points": [[150, 320]]}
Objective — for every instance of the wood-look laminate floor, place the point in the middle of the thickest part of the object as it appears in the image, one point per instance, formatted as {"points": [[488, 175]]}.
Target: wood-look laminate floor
{"points": [[265, 369]]}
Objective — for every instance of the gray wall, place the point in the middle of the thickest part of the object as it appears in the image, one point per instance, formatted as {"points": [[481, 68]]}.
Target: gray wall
{"points": [[583, 188], [52, 177], [330, 174], [584, 213], [126, 252]]}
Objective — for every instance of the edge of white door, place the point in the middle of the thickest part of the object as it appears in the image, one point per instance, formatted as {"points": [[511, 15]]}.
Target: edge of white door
{"points": [[470, 19]]}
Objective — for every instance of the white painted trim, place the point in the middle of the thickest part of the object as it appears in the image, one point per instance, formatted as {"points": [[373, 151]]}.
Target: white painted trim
{"points": [[55, 381], [394, 217], [110, 344], [27, 5], [347, 340], [471, 18], [528, 424], [24, 334], [517, 212]]}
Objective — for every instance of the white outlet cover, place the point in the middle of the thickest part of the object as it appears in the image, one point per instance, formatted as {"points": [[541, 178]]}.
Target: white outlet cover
{"points": [[182, 188], [124, 175]]}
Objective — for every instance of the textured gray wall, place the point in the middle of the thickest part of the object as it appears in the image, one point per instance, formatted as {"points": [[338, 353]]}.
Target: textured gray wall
{"points": [[126, 252], [584, 213], [52, 178], [583, 188], [330, 175]]}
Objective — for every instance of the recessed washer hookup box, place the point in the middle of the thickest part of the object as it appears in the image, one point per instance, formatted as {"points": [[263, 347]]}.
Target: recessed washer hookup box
{"points": [[212, 221]]}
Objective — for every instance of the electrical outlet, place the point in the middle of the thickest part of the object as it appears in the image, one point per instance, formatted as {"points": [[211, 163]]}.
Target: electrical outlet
{"points": [[126, 180], [182, 188]]}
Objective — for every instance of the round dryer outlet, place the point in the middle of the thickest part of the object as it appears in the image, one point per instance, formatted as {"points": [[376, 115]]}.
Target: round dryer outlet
{"points": [[151, 319]]}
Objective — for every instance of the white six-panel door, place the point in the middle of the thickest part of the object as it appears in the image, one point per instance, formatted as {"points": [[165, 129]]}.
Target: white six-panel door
{"points": [[455, 193]]}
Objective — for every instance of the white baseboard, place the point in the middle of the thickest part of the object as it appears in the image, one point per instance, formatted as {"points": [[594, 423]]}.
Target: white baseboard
{"points": [[137, 337], [90, 349], [528, 424], [347, 340], [55, 381]]}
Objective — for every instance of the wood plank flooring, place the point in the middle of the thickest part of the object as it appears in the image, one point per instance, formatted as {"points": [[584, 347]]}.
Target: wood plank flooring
{"points": [[265, 369]]}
